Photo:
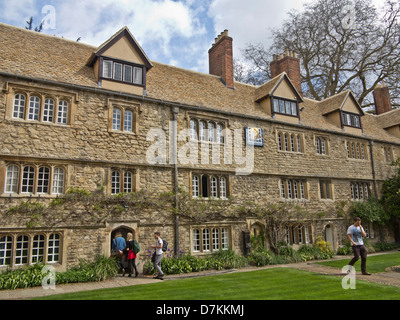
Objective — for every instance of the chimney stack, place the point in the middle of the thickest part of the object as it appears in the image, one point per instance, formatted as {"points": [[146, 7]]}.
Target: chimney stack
{"points": [[382, 99], [290, 64], [221, 59]]}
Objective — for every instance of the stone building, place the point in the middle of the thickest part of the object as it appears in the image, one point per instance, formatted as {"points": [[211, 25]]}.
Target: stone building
{"points": [[95, 118]]}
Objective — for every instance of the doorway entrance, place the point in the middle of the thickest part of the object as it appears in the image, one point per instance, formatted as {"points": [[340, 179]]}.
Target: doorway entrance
{"points": [[329, 235]]}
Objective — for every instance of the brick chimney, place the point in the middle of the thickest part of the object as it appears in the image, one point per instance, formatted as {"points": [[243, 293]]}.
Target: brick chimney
{"points": [[221, 59], [290, 64], [382, 99]]}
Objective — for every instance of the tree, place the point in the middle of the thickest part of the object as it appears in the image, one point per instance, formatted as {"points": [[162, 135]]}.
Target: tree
{"points": [[30, 25], [391, 200], [342, 45]]}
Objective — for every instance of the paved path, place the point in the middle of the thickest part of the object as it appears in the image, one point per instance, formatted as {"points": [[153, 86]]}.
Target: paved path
{"points": [[388, 278]]}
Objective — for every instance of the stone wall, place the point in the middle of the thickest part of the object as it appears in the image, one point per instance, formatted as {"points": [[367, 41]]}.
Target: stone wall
{"points": [[89, 150]]}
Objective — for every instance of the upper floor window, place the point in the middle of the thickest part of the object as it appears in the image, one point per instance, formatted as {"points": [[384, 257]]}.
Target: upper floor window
{"points": [[123, 72], [356, 150], [290, 142], [388, 153], [23, 179], [207, 130], [293, 189], [123, 119], [351, 119], [19, 106], [121, 181], [321, 145], [34, 108], [359, 190], [325, 187], [285, 106], [43, 110], [209, 186]]}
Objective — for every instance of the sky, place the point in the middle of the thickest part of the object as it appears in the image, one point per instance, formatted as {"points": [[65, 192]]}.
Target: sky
{"points": [[175, 32]]}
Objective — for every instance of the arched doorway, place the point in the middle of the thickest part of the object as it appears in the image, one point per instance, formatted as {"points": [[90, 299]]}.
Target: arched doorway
{"points": [[123, 230], [329, 234]]}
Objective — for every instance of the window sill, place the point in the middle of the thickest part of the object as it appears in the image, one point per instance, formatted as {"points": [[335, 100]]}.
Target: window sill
{"points": [[208, 142], [28, 195], [291, 152], [29, 122], [209, 198], [122, 132]]}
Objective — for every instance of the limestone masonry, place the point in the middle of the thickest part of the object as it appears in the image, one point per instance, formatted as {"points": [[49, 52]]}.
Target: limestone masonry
{"points": [[77, 117]]}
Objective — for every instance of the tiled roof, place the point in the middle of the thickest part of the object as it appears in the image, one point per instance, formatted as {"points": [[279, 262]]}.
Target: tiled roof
{"points": [[37, 55]]}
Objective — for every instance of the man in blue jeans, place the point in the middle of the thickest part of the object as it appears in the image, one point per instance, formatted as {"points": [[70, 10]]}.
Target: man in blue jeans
{"points": [[355, 234]]}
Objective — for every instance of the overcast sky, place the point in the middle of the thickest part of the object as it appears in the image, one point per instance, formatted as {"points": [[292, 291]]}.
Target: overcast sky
{"points": [[176, 32]]}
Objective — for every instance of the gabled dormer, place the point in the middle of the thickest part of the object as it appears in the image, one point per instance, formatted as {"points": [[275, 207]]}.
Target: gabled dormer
{"points": [[390, 121], [120, 64], [344, 111], [280, 99]]}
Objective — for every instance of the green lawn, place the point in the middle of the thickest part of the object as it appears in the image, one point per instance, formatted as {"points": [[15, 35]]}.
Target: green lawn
{"points": [[268, 284], [375, 264]]}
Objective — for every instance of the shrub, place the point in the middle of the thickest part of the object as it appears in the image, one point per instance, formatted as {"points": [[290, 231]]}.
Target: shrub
{"points": [[384, 246], [261, 258], [325, 247], [31, 276]]}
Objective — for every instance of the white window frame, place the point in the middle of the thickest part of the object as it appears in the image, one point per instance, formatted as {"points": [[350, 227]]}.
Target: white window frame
{"points": [[6, 250], [107, 69], [62, 112], [12, 179], [206, 240], [118, 73], [117, 119], [38, 247], [196, 240], [34, 108], [115, 182], [21, 250], [58, 181], [128, 70], [48, 110], [128, 120], [43, 180], [28, 181], [54, 248], [19, 106], [128, 181]]}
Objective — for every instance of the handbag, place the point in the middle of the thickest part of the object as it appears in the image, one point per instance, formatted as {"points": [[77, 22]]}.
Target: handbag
{"points": [[153, 257], [119, 254]]}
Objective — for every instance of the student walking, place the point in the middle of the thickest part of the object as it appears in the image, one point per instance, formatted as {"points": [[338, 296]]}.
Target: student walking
{"points": [[355, 234], [118, 247], [158, 253], [131, 246]]}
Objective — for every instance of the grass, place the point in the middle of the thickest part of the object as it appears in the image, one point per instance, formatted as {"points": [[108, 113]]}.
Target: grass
{"points": [[267, 284], [376, 263]]}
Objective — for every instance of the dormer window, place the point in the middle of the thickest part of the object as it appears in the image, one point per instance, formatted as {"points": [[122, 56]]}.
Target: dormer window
{"points": [[351, 119], [285, 106], [122, 72]]}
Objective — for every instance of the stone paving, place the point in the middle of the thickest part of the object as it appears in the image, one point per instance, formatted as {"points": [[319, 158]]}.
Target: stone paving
{"points": [[388, 278]]}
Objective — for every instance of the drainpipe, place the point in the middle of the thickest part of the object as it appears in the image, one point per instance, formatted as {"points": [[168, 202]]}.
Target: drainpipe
{"points": [[173, 158], [371, 145], [371, 151]]}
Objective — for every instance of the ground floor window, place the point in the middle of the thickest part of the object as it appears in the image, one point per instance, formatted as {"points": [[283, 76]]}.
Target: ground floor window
{"points": [[23, 249], [298, 234], [208, 239]]}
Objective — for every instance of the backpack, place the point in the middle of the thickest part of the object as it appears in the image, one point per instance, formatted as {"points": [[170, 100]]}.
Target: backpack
{"points": [[136, 247], [164, 246]]}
